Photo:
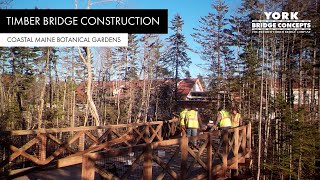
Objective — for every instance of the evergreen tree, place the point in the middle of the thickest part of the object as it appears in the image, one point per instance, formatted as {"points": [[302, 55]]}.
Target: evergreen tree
{"points": [[176, 54], [4, 55], [5, 3], [133, 50], [187, 74], [211, 37], [213, 41]]}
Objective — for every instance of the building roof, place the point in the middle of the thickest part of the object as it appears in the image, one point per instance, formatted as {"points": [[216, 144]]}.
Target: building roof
{"points": [[185, 86]]}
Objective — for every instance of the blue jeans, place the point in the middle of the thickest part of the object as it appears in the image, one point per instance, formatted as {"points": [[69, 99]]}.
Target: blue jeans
{"points": [[192, 132], [225, 128]]}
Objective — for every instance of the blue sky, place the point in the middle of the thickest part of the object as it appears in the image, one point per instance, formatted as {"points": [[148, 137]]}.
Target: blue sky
{"points": [[190, 10]]}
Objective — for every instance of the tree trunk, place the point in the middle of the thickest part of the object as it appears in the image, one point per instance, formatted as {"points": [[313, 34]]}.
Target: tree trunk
{"points": [[176, 78], [130, 103], [43, 90], [260, 112], [92, 106], [300, 97]]}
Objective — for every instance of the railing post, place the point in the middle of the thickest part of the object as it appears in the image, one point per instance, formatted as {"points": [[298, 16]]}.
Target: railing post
{"points": [[81, 142], [248, 148], [160, 131], [244, 143], [225, 145], [209, 156], [147, 164], [88, 169], [148, 133], [234, 170], [184, 156], [173, 127], [43, 146]]}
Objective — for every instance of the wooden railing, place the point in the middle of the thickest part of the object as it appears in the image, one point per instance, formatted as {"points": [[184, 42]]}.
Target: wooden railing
{"points": [[43, 146], [216, 155]]}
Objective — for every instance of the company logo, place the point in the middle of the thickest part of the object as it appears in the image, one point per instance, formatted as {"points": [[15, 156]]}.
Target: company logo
{"points": [[281, 22]]}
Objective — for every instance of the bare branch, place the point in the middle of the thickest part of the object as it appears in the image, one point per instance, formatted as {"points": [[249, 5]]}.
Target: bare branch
{"points": [[81, 56], [105, 1], [4, 3]]}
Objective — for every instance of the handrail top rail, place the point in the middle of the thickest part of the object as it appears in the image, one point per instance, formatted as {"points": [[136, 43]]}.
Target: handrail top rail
{"points": [[239, 127], [154, 145], [87, 128], [81, 128]]}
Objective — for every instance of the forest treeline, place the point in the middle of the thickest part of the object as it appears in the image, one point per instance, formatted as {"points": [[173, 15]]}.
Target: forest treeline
{"points": [[276, 76]]}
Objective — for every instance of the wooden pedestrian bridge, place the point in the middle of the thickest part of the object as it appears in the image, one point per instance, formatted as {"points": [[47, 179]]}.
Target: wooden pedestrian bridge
{"points": [[152, 150]]}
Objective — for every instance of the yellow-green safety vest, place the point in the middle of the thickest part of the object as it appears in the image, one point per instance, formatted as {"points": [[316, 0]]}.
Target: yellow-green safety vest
{"points": [[236, 120], [225, 119], [192, 119], [183, 116]]}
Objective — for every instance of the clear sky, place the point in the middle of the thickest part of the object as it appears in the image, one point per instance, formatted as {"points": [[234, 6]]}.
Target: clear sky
{"points": [[190, 10]]}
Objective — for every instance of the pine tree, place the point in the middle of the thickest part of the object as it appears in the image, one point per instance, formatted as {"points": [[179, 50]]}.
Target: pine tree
{"points": [[213, 41], [133, 49], [5, 3], [176, 54]]}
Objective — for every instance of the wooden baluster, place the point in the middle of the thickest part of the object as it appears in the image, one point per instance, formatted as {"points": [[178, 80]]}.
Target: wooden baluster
{"points": [[81, 142], [88, 168], [184, 156], [160, 131], [235, 147], [225, 145], [147, 164], [169, 129], [243, 143], [148, 133], [43, 147], [171, 125], [248, 149], [174, 129], [209, 156]]}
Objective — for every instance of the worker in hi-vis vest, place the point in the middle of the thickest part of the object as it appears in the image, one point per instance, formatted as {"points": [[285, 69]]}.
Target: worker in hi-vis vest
{"points": [[183, 120], [223, 119], [237, 119], [193, 123]]}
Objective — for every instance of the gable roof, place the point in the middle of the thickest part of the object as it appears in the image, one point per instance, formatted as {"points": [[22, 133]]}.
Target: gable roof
{"points": [[186, 86]]}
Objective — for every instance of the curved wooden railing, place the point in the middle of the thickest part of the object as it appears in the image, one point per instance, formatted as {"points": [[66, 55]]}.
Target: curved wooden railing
{"points": [[67, 146], [43, 146], [216, 155]]}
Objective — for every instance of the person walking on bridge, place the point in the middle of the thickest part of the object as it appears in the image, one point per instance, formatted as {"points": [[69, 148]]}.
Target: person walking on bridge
{"points": [[237, 119], [223, 120], [183, 120], [193, 123]]}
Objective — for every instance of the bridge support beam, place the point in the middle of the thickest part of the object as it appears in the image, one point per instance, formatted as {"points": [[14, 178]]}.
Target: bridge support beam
{"points": [[147, 164], [184, 157], [88, 169], [248, 149], [235, 147], [209, 156], [225, 150]]}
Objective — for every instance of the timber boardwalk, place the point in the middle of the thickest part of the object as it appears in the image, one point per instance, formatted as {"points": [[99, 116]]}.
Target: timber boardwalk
{"points": [[131, 151]]}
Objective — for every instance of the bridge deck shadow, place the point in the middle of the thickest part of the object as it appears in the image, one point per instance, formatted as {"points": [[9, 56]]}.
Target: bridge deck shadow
{"points": [[66, 173]]}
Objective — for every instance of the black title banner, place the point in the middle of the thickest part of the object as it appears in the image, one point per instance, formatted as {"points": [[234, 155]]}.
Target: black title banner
{"points": [[137, 21]]}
